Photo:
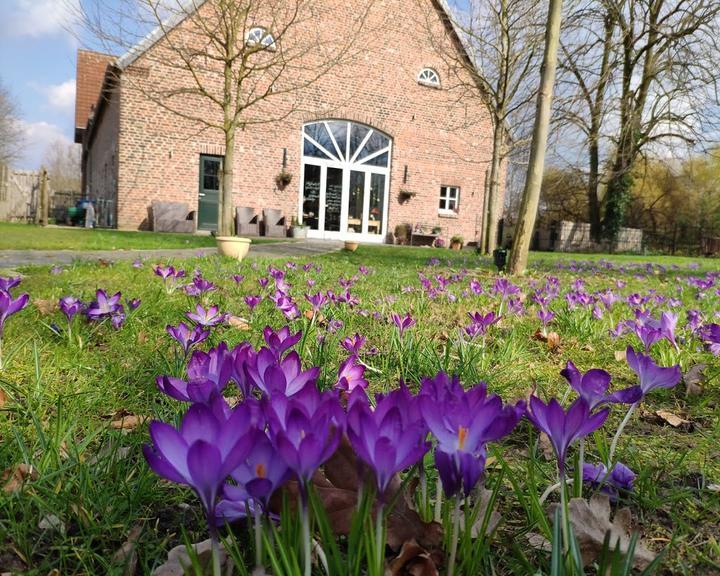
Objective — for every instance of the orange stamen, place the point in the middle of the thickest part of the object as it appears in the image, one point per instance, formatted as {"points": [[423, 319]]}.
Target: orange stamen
{"points": [[462, 435], [260, 470]]}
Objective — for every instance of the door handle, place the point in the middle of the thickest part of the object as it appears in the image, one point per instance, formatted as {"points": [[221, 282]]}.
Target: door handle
{"points": [[201, 194]]}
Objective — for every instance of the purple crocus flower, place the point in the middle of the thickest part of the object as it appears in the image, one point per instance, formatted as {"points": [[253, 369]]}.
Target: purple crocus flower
{"points": [[238, 278], [506, 288], [207, 318], [381, 438], [7, 284], [260, 475], [134, 303], [651, 375], [252, 301], [279, 377], [280, 341], [593, 387], [10, 306], [208, 375], [317, 301], [186, 337], [199, 286], [305, 429], [463, 423], [353, 344], [545, 316], [620, 478], [70, 306], [563, 428], [286, 305], [402, 322], [104, 305], [118, 319], [351, 375], [483, 321], [204, 451], [711, 337], [263, 282]]}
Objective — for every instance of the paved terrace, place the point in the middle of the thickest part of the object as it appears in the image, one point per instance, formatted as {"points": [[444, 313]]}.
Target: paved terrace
{"points": [[15, 258]]}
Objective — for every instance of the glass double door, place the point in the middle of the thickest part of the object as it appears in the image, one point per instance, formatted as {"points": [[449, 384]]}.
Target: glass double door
{"points": [[344, 203]]}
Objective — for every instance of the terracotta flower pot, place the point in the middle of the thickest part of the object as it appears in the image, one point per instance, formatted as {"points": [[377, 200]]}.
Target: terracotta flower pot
{"points": [[351, 246], [233, 246], [455, 246]]}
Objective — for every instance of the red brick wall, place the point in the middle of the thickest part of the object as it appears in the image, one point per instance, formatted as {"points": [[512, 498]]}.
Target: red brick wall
{"points": [[443, 139]]}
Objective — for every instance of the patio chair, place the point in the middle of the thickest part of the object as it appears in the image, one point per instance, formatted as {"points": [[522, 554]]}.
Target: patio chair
{"points": [[274, 223], [247, 223], [173, 217]]}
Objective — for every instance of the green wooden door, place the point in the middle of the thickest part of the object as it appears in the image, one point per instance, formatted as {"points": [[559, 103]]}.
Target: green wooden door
{"points": [[209, 192]]}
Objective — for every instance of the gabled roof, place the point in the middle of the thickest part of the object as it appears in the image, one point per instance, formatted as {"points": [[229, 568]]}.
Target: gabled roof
{"points": [[90, 75]]}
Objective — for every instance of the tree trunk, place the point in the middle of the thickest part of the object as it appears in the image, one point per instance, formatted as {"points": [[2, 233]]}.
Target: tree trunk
{"points": [[225, 208], [533, 182], [592, 191], [490, 240]]}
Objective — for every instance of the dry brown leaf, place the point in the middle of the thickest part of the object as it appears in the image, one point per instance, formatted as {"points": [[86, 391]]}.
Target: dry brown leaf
{"points": [[484, 496], [413, 560], [620, 355], [52, 523], [124, 420], [673, 419], [179, 559], [239, 323], [142, 337], [3, 398], [591, 521], [546, 446], [337, 487], [694, 379], [126, 555], [714, 487], [13, 478], [45, 307], [553, 341], [539, 542]]}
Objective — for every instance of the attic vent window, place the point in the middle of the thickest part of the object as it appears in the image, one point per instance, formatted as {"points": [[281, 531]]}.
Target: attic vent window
{"points": [[429, 77], [260, 37]]}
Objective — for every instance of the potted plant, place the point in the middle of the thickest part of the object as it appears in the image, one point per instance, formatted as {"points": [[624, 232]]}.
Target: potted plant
{"points": [[439, 243], [456, 242], [351, 245], [404, 195], [402, 233], [436, 230], [283, 179], [233, 246], [298, 229]]}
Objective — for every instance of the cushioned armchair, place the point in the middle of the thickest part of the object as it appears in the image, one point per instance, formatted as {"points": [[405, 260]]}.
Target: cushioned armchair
{"points": [[173, 217], [247, 223]]}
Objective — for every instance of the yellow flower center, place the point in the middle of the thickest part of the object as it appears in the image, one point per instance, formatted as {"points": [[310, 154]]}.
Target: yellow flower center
{"points": [[260, 470], [462, 435]]}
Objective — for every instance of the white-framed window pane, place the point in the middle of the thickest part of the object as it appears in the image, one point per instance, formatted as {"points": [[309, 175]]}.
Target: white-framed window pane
{"points": [[449, 198]]}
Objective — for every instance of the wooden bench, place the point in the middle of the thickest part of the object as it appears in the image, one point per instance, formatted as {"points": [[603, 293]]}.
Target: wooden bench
{"points": [[422, 235]]}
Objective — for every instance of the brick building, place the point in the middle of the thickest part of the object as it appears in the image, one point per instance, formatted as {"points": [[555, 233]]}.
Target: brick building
{"points": [[388, 135]]}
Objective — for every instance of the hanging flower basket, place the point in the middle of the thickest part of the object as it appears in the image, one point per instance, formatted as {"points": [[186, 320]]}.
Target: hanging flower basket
{"points": [[283, 179]]}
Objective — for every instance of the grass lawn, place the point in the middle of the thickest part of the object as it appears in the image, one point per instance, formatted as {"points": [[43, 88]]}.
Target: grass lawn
{"points": [[65, 395], [29, 237]]}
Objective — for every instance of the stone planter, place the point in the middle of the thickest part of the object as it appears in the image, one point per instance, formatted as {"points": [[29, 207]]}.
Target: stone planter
{"points": [[299, 231], [351, 246], [233, 246], [456, 246]]}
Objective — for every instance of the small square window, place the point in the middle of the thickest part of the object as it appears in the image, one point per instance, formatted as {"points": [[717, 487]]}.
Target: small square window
{"points": [[449, 199]]}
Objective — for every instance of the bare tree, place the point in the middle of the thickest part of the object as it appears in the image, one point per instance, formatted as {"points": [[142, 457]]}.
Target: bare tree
{"points": [[638, 74], [234, 63], [588, 63], [502, 41], [533, 182], [62, 161], [11, 133]]}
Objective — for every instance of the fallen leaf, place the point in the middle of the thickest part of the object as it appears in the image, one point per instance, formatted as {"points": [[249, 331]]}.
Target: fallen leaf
{"points": [[3, 398], [124, 420], [694, 379], [239, 323], [553, 341], [714, 487], [591, 521], [179, 560], [413, 560], [13, 478], [52, 523], [483, 499], [673, 419], [621, 355], [337, 487], [546, 446], [142, 337], [126, 555], [539, 542], [45, 307]]}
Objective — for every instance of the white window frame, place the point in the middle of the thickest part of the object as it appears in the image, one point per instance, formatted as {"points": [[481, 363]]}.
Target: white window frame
{"points": [[429, 77], [257, 35], [447, 197]]}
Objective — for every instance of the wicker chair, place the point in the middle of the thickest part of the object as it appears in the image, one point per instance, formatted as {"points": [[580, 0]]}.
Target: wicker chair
{"points": [[173, 217], [274, 222], [247, 223]]}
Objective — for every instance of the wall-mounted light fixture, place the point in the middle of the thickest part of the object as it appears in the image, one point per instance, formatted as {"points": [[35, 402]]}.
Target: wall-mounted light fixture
{"points": [[284, 157]]}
